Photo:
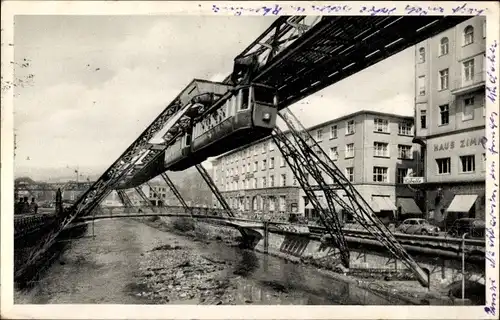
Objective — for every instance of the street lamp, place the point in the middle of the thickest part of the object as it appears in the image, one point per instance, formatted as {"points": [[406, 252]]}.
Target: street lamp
{"points": [[463, 265]]}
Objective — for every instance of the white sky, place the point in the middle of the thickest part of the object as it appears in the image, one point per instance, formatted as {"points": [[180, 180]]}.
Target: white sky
{"points": [[72, 115]]}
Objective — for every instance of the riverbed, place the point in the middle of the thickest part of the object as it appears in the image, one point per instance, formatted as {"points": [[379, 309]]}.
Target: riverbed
{"points": [[129, 262]]}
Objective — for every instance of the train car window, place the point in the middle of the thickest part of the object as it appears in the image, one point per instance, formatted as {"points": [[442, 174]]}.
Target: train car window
{"points": [[244, 98], [224, 111], [232, 107], [263, 95]]}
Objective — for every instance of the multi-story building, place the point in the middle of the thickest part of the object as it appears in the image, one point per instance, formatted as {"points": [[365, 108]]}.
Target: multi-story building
{"points": [[450, 120], [373, 149]]}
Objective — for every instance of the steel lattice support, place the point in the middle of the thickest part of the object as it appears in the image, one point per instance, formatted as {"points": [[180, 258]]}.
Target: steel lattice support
{"points": [[213, 187], [143, 196], [176, 192], [124, 199], [358, 206], [104, 185], [299, 160]]}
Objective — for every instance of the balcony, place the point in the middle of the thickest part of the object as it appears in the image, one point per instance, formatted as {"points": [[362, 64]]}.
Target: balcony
{"points": [[462, 86]]}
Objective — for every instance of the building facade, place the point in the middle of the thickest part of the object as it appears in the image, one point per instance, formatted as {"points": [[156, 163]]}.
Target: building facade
{"points": [[374, 150], [450, 121]]}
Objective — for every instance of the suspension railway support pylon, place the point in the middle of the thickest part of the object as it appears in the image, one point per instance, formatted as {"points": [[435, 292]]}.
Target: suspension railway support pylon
{"points": [[355, 204]]}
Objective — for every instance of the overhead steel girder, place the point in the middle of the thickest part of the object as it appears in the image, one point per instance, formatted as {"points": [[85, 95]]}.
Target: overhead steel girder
{"points": [[356, 58], [278, 37]]}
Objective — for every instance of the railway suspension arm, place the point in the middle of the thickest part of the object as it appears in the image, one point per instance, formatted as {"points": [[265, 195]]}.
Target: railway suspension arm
{"points": [[357, 206]]}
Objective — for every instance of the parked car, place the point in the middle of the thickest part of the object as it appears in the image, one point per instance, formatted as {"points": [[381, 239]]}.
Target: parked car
{"points": [[474, 228], [417, 226]]}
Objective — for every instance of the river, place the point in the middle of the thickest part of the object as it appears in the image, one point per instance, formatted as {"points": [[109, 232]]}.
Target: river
{"points": [[115, 267]]}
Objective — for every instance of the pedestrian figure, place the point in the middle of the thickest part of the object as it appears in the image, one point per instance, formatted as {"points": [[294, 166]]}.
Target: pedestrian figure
{"points": [[18, 207], [25, 206], [33, 206]]}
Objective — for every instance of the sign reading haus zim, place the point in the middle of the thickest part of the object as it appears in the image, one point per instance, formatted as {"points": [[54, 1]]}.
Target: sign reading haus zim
{"points": [[463, 143]]}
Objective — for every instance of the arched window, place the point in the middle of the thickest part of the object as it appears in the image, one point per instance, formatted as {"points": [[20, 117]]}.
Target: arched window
{"points": [[468, 35], [421, 55], [444, 47]]}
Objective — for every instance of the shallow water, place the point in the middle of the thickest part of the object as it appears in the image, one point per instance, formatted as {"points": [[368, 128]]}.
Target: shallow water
{"points": [[104, 269]]}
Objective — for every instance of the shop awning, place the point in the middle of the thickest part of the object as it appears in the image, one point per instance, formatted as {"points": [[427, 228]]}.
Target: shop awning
{"points": [[462, 203], [408, 206], [383, 204]]}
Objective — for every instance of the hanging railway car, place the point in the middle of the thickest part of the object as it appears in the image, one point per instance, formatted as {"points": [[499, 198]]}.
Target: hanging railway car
{"points": [[221, 119], [242, 116]]}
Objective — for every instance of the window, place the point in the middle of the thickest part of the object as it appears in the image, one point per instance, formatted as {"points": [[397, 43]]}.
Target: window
{"points": [[249, 167], [469, 70], [263, 148], [264, 164], [255, 150], [349, 150], [271, 163], [294, 181], [334, 155], [247, 183], [272, 204], [483, 102], [443, 165], [264, 182], [445, 114], [254, 183], [271, 146], [333, 132], [444, 46], [380, 174], [468, 163], [401, 174], [468, 112], [244, 169], [381, 125], [421, 85], [405, 128], [349, 172], [423, 119], [404, 152], [255, 166], [443, 79], [350, 127], [283, 180], [282, 161], [319, 135], [282, 203], [380, 149], [271, 181], [468, 35], [421, 55]]}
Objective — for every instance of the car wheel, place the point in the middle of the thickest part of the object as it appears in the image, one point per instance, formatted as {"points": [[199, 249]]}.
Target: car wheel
{"points": [[424, 232]]}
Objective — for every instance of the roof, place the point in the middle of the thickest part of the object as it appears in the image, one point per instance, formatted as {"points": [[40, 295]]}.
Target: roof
{"points": [[323, 124]]}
